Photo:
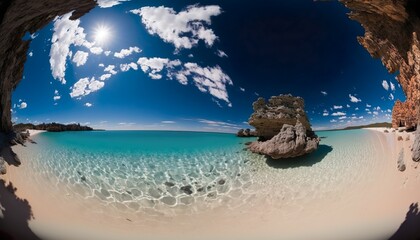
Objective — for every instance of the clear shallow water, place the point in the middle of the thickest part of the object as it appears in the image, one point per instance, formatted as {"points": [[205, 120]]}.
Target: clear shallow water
{"points": [[143, 170], [170, 173]]}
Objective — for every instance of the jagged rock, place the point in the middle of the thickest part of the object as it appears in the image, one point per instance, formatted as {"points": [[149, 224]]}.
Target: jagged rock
{"points": [[282, 127], [416, 146], [400, 138], [18, 138], [392, 28], [400, 164], [269, 117], [291, 141], [18, 17], [3, 168], [386, 131], [246, 133]]}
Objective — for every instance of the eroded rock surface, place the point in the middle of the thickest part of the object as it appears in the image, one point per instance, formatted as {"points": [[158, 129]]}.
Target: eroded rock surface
{"points": [[291, 141], [18, 17], [282, 127], [269, 117], [392, 30], [246, 133]]}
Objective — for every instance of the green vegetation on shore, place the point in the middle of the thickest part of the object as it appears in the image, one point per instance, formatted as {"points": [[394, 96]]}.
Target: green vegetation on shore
{"points": [[51, 127]]}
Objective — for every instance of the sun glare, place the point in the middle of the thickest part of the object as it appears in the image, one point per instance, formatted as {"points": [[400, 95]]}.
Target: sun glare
{"points": [[102, 34]]}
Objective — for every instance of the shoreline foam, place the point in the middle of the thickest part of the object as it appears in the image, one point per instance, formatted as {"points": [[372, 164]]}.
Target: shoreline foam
{"points": [[379, 204]]}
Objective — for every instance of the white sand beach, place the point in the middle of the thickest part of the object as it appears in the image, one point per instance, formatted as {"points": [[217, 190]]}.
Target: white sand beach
{"points": [[354, 205]]}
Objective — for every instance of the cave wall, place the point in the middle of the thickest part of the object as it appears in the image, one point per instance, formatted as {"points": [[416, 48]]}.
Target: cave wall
{"points": [[16, 18], [392, 28]]}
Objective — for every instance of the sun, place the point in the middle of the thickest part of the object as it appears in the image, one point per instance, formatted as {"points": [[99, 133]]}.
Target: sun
{"points": [[102, 34]]}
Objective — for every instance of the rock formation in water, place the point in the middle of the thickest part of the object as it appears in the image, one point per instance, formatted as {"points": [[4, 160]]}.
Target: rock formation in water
{"points": [[392, 31], [246, 133], [291, 141], [18, 17], [282, 127], [269, 117]]}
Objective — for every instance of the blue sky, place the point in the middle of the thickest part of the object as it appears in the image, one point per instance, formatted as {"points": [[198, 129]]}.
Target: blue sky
{"points": [[189, 65]]}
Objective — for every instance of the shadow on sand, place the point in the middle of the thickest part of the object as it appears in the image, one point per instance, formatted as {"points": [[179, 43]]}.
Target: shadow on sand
{"points": [[303, 161], [16, 214], [410, 228]]}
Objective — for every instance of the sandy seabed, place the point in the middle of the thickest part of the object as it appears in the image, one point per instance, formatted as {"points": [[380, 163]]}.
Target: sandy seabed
{"points": [[373, 207]]}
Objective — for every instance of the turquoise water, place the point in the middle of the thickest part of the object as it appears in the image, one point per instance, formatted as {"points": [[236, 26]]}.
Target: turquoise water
{"points": [[146, 169], [192, 171]]}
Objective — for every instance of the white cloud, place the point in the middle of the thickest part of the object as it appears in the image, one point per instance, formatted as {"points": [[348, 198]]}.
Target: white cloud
{"points": [[31, 54], [127, 52], [105, 76], [107, 53], [126, 66], [343, 117], [242, 89], [207, 79], [375, 113], [96, 50], [84, 87], [184, 29], [101, 65], [347, 105], [80, 58], [23, 105], [168, 122], [385, 85], [368, 106], [337, 107], [392, 86], [66, 33], [354, 99], [218, 124], [88, 104], [391, 96], [110, 69], [338, 114], [356, 109], [153, 66], [333, 121], [56, 95], [109, 3], [325, 114], [221, 54], [324, 93]]}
